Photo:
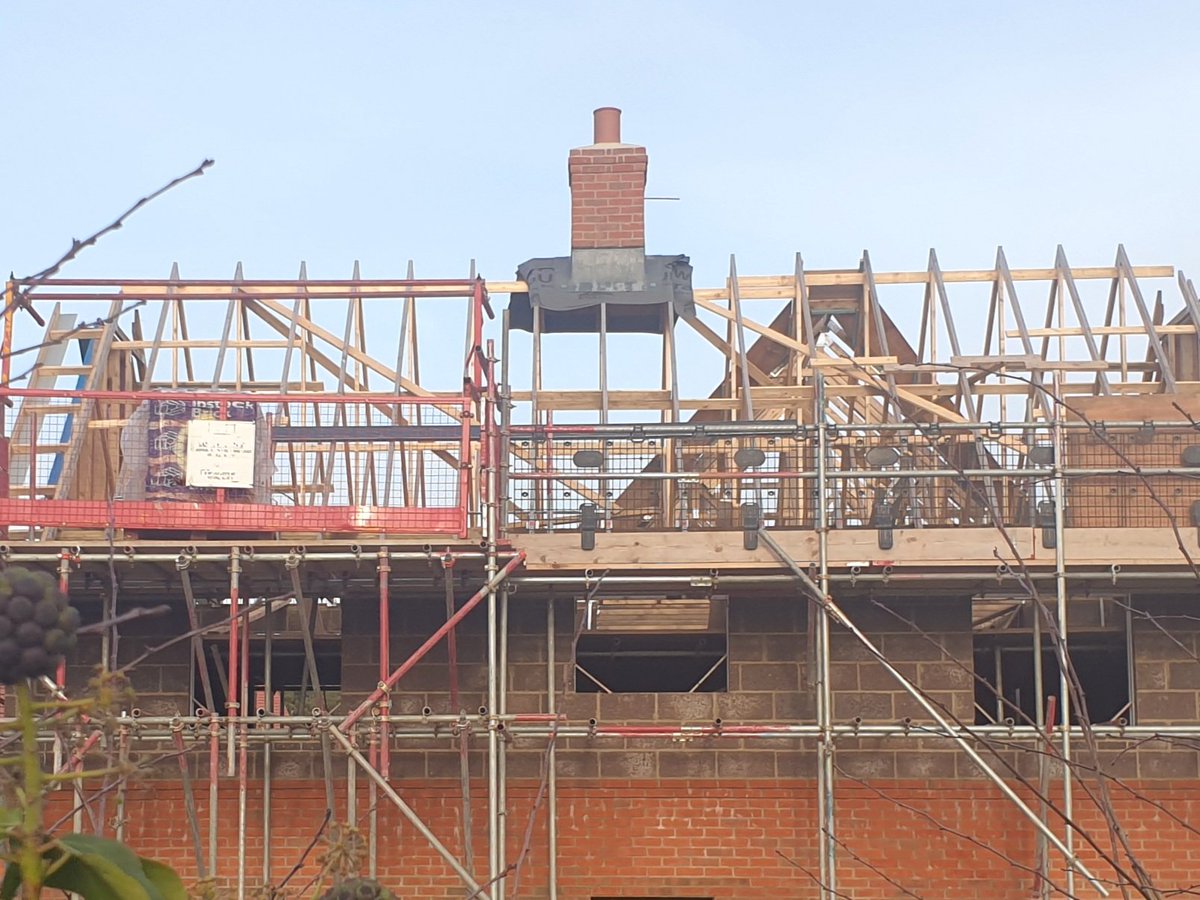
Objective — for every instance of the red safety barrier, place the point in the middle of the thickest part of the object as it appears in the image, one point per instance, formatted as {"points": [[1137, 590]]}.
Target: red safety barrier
{"points": [[164, 516]]}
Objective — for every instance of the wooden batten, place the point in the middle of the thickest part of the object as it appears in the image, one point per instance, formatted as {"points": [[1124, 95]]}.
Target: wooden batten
{"points": [[100, 455]]}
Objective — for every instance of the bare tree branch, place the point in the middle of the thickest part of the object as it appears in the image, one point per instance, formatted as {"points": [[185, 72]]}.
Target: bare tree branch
{"points": [[21, 296]]}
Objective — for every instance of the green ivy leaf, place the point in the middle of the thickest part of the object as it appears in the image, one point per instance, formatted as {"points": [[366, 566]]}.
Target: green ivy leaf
{"points": [[100, 869], [96, 878], [9, 818], [115, 853], [169, 884]]}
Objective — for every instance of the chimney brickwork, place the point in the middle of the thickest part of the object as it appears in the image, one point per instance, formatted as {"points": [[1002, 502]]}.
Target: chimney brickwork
{"points": [[608, 189]]}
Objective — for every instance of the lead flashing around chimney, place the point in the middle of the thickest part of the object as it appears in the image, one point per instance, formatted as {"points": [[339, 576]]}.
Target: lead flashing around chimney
{"points": [[570, 289], [609, 266]]}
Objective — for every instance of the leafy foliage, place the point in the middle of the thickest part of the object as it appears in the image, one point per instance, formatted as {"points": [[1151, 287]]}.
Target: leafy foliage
{"points": [[96, 868]]}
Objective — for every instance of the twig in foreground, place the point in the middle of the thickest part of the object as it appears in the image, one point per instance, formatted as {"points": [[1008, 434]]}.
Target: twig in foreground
{"points": [[21, 297]]}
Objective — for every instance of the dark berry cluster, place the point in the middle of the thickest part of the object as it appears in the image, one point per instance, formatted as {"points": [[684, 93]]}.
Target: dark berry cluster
{"points": [[358, 889], [37, 626]]}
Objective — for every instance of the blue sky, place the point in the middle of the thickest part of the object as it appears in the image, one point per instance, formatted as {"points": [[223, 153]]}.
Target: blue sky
{"points": [[439, 132]]}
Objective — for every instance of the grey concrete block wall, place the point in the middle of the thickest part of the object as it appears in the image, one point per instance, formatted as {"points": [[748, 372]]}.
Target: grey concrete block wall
{"points": [[768, 682], [1166, 662], [928, 640], [413, 619], [162, 683], [767, 663]]}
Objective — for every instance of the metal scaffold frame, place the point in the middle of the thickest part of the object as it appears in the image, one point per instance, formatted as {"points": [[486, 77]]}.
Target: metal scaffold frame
{"points": [[828, 423]]}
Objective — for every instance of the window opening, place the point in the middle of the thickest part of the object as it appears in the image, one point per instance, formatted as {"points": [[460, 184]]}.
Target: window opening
{"points": [[291, 690], [651, 645], [1097, 642]]}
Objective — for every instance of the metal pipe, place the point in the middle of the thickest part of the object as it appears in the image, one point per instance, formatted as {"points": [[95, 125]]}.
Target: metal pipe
{"points": [[327, 769], [495, 813], [826, 809], [189, 802], [505, 403], [1060, 584], [393, 291], [784, 428], [1039, 692], [809, 475], [233, 701], [143, 724], [385, 661], [123, 784], [709, 580], [603, 342], [552, 757], [502, 708], [64, 585], [420, 652], [268, 707], [852, 474], [302, 285], [903, 730], [214, 769], [793, 428], [930, 709], [464, 738], [352, 788], [373, 807], [405, 810], [235, 653], [363, 397], [16, 551]]}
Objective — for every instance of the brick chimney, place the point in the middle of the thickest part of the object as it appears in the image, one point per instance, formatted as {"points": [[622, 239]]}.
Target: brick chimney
{"points": [[608, 280], [608, 190]]}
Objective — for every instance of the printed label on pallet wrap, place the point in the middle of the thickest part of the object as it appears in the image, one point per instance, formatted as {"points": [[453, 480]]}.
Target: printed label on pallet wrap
{"points": [[220, 454]]}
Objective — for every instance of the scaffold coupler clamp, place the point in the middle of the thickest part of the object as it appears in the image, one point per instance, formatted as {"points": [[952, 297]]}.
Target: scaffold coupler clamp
{"points": [[384, 705], [294, 558]]}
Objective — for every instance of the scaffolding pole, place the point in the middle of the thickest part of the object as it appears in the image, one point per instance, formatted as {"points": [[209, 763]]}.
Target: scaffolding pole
{"points": [[1060, 586], [839, 616], [826, 808], [551, 760], [385, 664], [407, 811], [390, 682], [495, 576]]}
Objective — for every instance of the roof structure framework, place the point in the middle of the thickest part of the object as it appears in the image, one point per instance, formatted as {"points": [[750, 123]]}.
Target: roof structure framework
{"points": [[861, 427]]}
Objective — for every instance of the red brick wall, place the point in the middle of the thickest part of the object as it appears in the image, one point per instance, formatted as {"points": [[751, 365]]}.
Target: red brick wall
{"points": [[696, 838], [608, 187]]}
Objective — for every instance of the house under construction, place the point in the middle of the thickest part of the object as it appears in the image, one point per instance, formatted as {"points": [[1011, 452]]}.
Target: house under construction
{"points": [[899, 603]]}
